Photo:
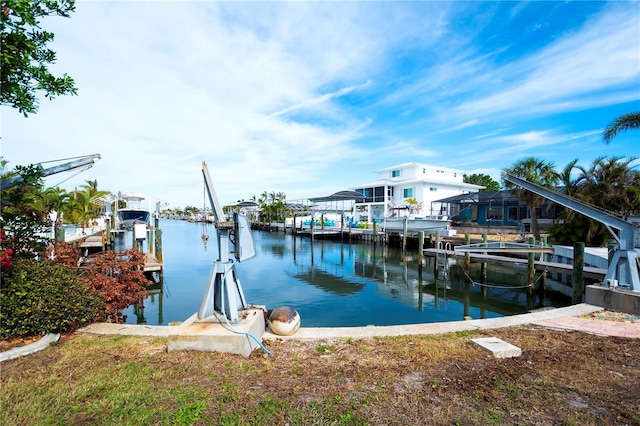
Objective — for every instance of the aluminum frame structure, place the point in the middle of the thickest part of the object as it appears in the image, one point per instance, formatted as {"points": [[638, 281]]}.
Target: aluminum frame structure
{"points": [[623, 267], [224, 294]]}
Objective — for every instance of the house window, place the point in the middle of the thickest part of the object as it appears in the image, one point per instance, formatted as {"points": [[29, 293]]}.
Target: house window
{"points": [[432, 189], [494, 213], [368, 195], [395, 173], [378, 194], [407, 193]]}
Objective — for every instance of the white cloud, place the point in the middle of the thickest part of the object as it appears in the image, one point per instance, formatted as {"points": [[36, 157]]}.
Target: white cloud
{"points": [[312, 97]]}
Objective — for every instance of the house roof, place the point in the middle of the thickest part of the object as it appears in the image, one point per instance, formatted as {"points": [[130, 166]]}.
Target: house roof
{"points": [[389, 182], [413, 164]]}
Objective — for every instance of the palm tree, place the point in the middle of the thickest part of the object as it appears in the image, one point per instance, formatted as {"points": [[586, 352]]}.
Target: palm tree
{"points": [[624, 122], [94, 195], [565, 179], [56, 200], [611, 184], [85, 203], [535, 171]]}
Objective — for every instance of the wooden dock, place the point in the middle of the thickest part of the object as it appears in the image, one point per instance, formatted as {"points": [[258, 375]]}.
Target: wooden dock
{"points": [[93, 242], [151, 264], [97, 242], [560, 268]]}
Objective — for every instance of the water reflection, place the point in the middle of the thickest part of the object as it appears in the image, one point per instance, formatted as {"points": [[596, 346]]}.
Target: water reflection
{"points": [[338, 283]]}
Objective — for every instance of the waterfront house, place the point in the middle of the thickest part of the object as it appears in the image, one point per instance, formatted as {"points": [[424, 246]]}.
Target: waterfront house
{"points": [[497, 209], [410, 189]]}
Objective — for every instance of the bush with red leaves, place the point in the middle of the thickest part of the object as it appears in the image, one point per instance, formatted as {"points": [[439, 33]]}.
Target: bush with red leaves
{"points": [[117, 276]]}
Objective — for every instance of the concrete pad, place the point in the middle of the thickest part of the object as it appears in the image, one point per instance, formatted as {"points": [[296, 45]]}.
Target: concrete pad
{"points": [[613, 299], [215, 335], [499, 348]]}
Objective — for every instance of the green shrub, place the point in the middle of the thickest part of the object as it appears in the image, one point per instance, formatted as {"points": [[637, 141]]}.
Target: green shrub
{"points": [[38, 298]]}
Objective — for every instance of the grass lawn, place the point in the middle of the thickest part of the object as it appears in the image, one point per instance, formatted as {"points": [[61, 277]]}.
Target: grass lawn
{"points": [[561, 378]]}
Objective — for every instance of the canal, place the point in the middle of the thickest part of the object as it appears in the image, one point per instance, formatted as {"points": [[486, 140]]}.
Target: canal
{"points": [[333, 284]]}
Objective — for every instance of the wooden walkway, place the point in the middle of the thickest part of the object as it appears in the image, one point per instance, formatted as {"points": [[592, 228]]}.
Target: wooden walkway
{"points": [[561, 268]]}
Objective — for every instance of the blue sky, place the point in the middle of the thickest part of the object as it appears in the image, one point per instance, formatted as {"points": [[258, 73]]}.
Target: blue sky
{"points": [[308, 98]]}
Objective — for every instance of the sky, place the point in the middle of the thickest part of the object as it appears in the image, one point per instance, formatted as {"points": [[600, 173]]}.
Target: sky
{"points": [[310, 98]]}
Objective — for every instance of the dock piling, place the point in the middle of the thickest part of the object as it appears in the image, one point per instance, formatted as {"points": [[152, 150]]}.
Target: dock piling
{"points": [[578, 268]]}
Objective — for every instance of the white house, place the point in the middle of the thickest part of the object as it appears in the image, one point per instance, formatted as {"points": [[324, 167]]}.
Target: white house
{"points": [[424, 183]]}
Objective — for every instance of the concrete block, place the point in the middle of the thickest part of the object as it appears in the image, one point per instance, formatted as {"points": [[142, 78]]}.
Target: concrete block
{"points": [[214, 335], [613, 299], [499, 348]]}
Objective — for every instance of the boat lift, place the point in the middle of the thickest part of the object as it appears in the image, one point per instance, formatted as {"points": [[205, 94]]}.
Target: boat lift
{"points": [[224, 294], [85, 162], [624, 264]]}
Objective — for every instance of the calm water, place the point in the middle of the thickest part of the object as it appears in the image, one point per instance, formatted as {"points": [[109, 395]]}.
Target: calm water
{"points": [[331, 284]]}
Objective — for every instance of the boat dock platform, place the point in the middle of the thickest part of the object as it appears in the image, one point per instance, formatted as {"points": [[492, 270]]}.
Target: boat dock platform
{"points": [[539, 265], [97, 242]]}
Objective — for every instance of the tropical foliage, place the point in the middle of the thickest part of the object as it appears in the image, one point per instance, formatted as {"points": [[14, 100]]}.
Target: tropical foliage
{"points": [[25, 55], [43, 287], [482, 180], [116, 276], [38, 297], [621, 124], [272, 206], [535, 171], [610, 184], [23, 215]]}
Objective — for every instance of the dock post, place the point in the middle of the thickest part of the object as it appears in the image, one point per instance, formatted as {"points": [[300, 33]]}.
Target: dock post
{"points": [[483, 269], [404, 234], [578, 269], [159, 245], [530, 266], [152, 238], [420, 253], [375, 232], [109, 234], [435, 263], [542, 287], [311, 226], [467, 255]]}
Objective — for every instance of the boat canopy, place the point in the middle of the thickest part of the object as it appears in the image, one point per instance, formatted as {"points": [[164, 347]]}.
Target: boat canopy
{"points": [[339, 196]]}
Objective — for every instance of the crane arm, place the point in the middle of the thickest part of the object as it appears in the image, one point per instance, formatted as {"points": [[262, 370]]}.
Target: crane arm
{"points": [[625, 228], [86, 161], [218, 214]]}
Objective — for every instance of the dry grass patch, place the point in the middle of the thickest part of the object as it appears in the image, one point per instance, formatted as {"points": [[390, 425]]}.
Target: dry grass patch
{"points": [[561, 378]]}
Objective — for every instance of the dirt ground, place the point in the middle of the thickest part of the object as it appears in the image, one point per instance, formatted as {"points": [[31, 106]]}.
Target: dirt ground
{"points": [[561, 378]]}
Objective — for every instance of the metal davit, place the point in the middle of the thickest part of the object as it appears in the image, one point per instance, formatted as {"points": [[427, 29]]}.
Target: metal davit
{"points": [[224, 294], [623, 267]]}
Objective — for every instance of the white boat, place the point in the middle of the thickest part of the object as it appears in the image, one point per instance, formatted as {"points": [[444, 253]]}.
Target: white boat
{"points": [[415, 224], [133, 213]]}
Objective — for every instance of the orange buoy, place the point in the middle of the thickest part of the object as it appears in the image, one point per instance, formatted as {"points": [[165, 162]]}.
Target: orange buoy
{"points": [[284, 321]]}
